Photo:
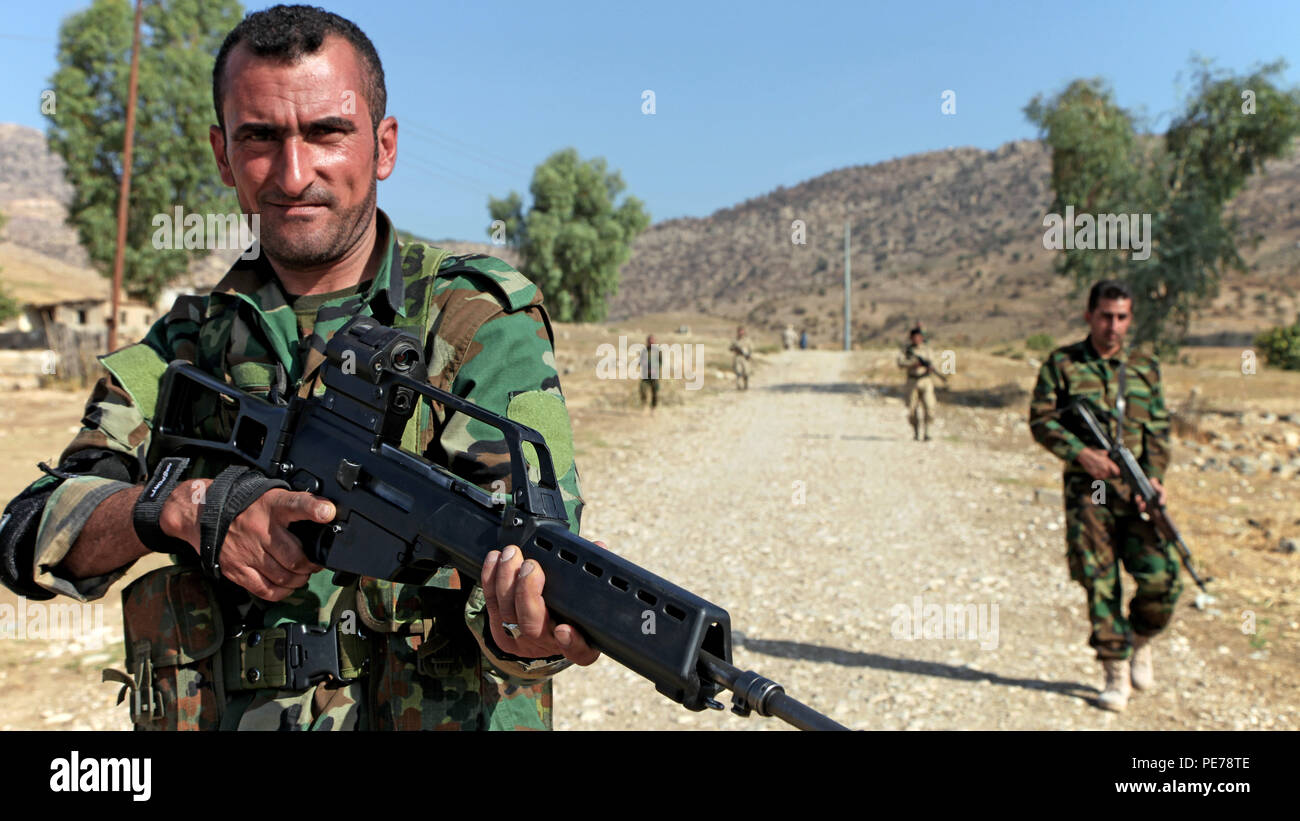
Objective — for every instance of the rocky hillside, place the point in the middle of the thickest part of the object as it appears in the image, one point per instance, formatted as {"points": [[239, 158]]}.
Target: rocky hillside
{"points": [[34, 196], [953, 238]]}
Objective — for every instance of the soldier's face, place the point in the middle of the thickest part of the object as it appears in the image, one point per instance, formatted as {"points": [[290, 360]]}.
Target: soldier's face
{"points": [[299, 149], [1109, 323]]}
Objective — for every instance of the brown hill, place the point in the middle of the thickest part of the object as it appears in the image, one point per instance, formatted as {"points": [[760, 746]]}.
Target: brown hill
{"points": [[953, 238]]}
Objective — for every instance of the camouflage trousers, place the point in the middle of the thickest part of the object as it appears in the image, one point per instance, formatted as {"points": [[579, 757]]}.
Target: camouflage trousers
{"points": [[1103, 529], [741, 367], [920, 396], [650, 391]]}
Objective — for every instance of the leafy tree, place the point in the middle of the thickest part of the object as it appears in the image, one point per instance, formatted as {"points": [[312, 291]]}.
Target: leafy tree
{"points": [[574, 238], [1229, 126], [172, 163], [510, 211]]}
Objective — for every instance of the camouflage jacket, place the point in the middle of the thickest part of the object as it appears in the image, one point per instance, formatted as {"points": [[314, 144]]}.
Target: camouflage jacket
{"points": [[649, 362], [431, 662], [1079, 371]]}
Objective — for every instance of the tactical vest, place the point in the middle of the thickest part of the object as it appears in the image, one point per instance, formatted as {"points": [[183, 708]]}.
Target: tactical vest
{"points": [[190, 663]]}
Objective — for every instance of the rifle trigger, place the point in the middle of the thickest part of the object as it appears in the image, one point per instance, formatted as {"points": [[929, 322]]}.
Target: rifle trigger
{"points": [[347, 473]]}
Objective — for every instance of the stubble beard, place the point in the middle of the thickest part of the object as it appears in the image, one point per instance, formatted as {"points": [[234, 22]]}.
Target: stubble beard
{"points": [[296, 246]]}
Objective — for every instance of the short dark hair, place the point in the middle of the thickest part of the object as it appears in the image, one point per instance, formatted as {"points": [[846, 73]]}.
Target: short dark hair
{"points": [[287, 33], [1108, 289]]}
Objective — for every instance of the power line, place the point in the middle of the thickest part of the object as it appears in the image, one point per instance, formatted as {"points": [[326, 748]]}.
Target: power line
{"points": [[451, 176], [466, 147], [469, 179], [474, 153]]}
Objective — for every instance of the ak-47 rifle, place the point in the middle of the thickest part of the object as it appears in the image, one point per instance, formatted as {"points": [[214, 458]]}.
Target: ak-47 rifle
{"points": [[925, 363], [1136, 478], [401, 517]]}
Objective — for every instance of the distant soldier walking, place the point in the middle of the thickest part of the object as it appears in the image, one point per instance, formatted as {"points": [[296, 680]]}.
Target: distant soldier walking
{"points": [[789, 338], [740, 362], [1103, 521], [918, 361], [648, 366]]}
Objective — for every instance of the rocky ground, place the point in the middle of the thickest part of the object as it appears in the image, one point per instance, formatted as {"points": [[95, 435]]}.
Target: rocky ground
{"points": [[804, 508]]}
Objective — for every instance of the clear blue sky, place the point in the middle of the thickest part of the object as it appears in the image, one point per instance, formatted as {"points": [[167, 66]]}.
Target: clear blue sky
{"points": [[749, 96]]}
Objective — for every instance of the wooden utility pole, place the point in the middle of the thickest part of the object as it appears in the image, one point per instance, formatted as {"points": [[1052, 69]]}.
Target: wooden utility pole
{"points": [[124, 193], [848, 290]]}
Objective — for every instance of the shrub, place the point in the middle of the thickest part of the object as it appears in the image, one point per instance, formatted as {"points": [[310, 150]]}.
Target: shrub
{"points": [[1281, 346], [1040, 342]]}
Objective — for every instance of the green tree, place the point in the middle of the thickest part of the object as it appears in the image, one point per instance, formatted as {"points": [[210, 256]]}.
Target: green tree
{"points": [[510, 211], [1230, 124], [172, 162], [574, 238]]}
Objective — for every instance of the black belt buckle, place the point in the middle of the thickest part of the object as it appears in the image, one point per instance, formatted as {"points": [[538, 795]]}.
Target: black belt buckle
{"points": [[311, 655]]}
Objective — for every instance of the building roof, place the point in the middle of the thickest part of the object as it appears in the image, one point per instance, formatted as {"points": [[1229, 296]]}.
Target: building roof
{"points": [[32, 278]]}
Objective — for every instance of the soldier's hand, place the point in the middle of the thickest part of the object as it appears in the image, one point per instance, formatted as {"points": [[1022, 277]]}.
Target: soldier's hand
{"points": [[1098, 464], [1160, 489], [259, 553], [513, 589]]}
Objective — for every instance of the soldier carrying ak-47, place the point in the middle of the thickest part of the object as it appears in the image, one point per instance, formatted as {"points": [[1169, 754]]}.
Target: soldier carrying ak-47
{"points": [[1103, 517], [740, 361], [918, 360]]}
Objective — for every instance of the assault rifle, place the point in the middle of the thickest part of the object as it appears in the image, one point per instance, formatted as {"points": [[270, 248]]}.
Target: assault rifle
{"points": [[1136, 478], [401, 517], [925, 363]]}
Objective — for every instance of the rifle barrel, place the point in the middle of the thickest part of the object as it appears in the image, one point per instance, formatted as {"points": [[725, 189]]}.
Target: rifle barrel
{"points": [[764, 696]]}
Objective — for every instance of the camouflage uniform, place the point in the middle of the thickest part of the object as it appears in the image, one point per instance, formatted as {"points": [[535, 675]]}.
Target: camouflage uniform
{"points": [[1103, 527], [648, 366], [920, 386], [740, 362], [427, 656]]}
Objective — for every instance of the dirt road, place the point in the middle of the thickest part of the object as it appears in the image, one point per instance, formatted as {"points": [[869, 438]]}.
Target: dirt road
{"points": [[805, 509]]}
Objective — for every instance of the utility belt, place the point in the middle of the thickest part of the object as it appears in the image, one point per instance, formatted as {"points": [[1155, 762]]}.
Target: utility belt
{"points": [[183, 663], [293, 657]]}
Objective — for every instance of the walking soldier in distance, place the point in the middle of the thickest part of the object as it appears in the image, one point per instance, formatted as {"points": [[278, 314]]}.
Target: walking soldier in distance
{"points": [[648, 366], [740, 361], [917, 360]]}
